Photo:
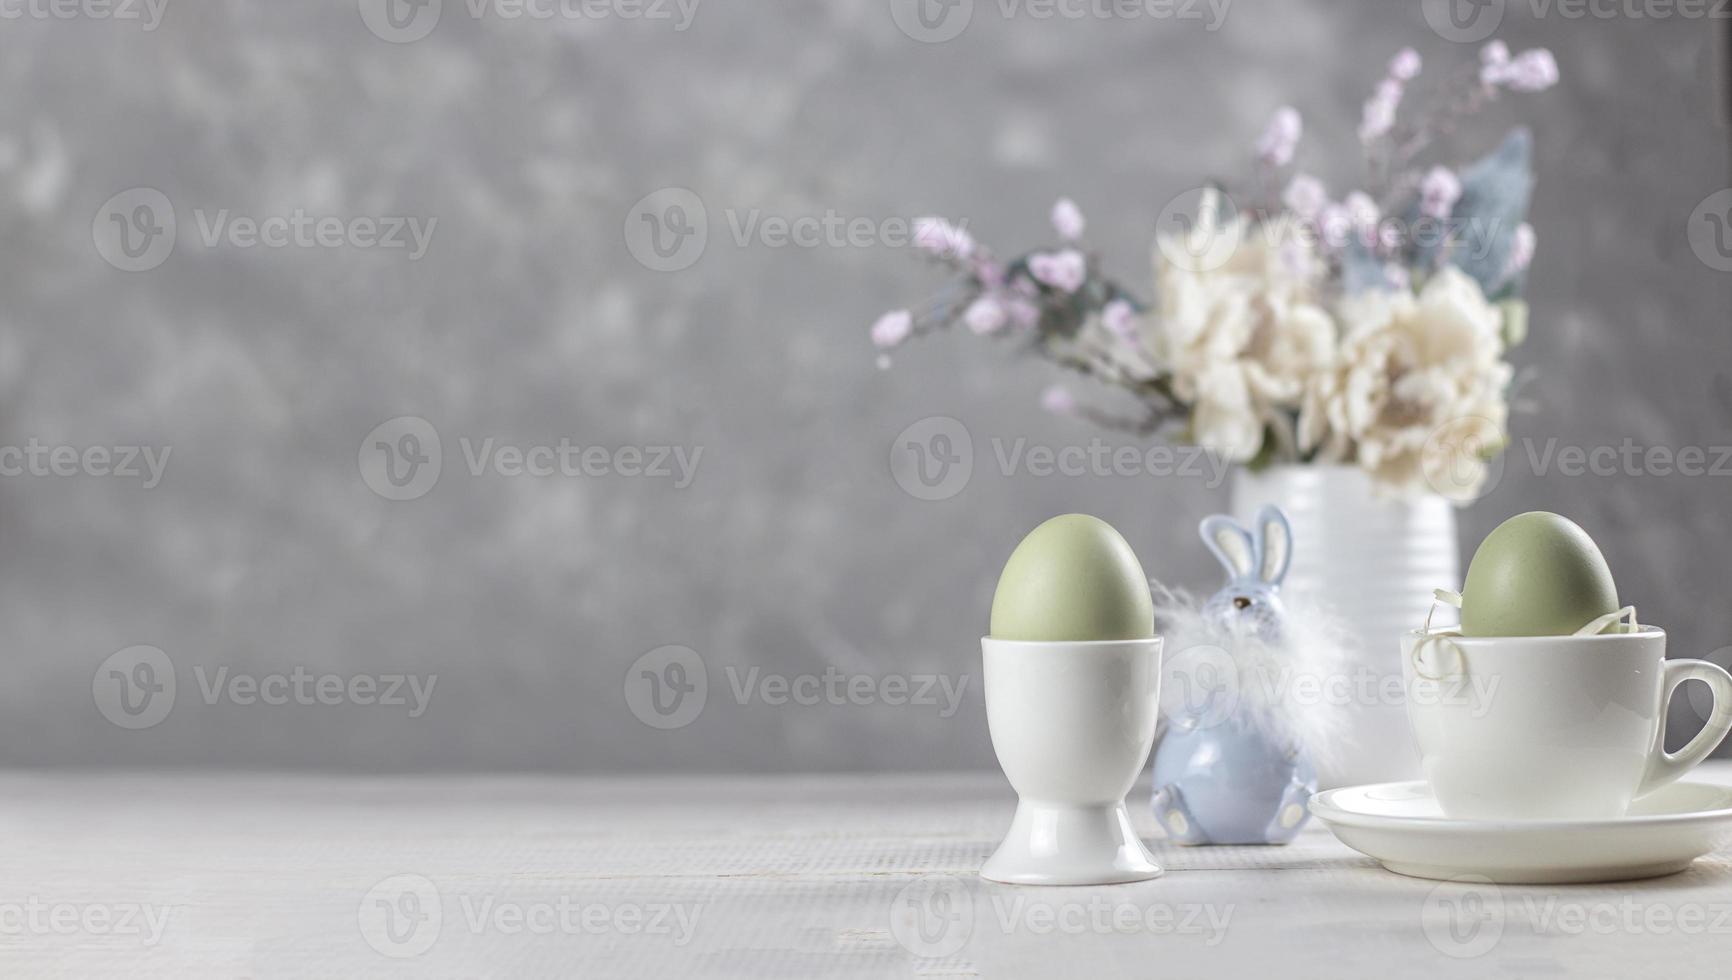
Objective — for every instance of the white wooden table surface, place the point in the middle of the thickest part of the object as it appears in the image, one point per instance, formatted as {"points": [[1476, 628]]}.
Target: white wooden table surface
{"points": [[848, 876]]}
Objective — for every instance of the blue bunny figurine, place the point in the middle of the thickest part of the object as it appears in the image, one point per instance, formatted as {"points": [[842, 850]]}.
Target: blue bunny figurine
{"points": [[1221, 774]]}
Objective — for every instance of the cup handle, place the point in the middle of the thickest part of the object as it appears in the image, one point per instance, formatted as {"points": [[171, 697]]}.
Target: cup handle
{"points": [[1663, 766]]}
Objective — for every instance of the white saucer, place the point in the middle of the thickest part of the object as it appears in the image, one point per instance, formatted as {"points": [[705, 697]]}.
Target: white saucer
{"points": [[1401, 825]]}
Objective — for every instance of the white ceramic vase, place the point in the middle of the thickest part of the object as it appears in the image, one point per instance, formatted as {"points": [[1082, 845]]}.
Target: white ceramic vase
{"points": [[1374, 560]]}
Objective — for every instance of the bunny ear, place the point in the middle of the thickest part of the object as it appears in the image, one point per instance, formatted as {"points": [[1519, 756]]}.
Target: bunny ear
{"points": [[1230, 543], [1274, 544]]}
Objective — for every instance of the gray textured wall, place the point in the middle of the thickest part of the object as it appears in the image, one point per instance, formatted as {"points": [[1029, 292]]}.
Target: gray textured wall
{"points": [[529, 319]]}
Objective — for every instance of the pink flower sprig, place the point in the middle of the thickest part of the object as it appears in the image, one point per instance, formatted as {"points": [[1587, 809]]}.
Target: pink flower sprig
{"points": [[990, 297], [1067, 220], [954, 247], [1534, 70], [1065, 270], [1378, 116], [943, 239], [892, 329], [1371, 223], [1438, 192], [1275, 150], [1281, 139], [1047, 296]]}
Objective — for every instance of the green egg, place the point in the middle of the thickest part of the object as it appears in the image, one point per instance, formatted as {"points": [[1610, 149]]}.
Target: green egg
{"points": [[1073, 578], [1536, 574]]}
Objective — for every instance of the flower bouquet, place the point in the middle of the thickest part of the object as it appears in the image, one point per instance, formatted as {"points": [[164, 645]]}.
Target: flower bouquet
{"points": [[1289, 325]]}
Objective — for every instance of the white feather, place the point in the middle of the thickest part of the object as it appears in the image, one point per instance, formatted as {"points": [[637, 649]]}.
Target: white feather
{"points": [[1301, 689]]}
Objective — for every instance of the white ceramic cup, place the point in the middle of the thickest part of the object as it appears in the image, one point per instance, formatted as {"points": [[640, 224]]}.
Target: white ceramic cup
{"points": [[1551, 727], [1072, 723]]}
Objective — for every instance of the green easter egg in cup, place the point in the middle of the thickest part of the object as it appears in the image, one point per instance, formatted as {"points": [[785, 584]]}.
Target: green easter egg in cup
{"points": [[1073, 578], [1536, 574], [1071, 673]]}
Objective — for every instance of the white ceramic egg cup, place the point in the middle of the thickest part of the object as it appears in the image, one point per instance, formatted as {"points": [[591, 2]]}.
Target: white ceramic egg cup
{"points": [[1072, 723]]}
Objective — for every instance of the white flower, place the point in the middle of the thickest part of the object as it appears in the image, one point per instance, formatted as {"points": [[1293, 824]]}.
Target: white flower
{"points": [[1242, 338], [1225, 418], [1417, 395]]}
